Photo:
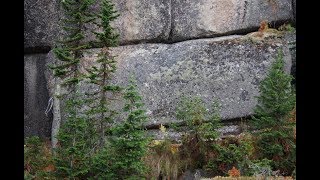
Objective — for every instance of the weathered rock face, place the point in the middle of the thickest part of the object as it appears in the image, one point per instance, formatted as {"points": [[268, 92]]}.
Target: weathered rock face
{"points": [[40, 24], [225, 69], [139, 21], [36, 123], [143, 20], [208, 18], [159, 21], [291, 39]]}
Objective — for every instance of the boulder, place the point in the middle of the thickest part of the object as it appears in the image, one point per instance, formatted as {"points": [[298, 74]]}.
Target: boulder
{"points": [[210, 18], [139, 21], [36, 122], [227, 69]]}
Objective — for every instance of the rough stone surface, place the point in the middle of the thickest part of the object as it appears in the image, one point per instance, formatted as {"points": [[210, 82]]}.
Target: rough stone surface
{"points": [[143, 20], [291, 39], [36, 123], [209, 18], [139, 21], [40, 23], [158, 21], [227, 69]]}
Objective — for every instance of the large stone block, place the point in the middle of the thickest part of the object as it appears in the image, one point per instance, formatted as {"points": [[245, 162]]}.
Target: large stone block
{"points": [[36, 123], [139, 21], [227, 69], [143, 20], [40, 24], [209, 18]]}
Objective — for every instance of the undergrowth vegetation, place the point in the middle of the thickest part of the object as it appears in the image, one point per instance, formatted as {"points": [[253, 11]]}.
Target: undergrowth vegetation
{"points": [[265, 149]]}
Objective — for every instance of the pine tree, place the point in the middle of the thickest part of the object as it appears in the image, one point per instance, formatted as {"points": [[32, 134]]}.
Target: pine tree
{"points": [[129, 142], [69, 49], [100, 113], [71, 156], [200, 121], [101, 73], [108, 14], [202, 125], [275, 132]]}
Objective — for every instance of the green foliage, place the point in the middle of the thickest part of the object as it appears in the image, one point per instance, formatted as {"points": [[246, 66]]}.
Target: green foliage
{"points": [[108, 37], [121, 158], [230, 152], [199, 120], [101, 73], [69, 49], [261, 167], [129, 143], [101, 163], [274, 130], [203, 125], [72, 154], [37, 156], [277, 97], [286, 27]]}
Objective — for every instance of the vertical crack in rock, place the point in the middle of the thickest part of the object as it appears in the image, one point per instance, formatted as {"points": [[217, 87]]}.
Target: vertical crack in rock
{"points": [[244, 10]]}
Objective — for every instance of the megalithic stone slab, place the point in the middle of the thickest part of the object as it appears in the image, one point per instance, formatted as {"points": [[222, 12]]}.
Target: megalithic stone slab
{"points": [[227, 69], [210, 18], [40, 24], [139, 21]]}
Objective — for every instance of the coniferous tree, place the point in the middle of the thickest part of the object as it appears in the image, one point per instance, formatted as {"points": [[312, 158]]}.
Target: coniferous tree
{"points": [[71, 157], [101, 73], [69, 49], [271, 119], [202, 125], [129, 142]]}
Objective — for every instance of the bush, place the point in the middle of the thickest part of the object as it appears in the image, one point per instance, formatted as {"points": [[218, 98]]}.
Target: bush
{"points": [[129, 142], [72, 158], [37, 159], [202, 125], [274, 129], [231, 152]]}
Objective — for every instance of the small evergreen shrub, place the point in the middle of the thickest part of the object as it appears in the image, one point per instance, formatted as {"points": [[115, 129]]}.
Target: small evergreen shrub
{"points": [[72, 153], [129, 141], [230, 152], [203, 125], [274, 130]]}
